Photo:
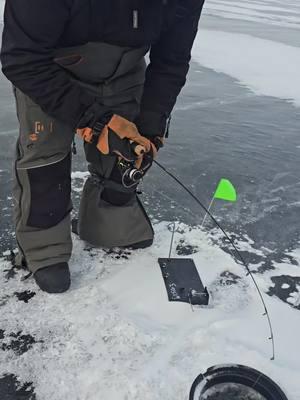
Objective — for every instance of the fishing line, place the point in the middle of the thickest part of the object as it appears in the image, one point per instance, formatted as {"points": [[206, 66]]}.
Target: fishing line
{"points": [[266, 312]]}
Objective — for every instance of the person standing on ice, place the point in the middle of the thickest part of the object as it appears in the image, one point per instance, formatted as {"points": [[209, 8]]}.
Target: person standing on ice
{"points": [[78, 66]]}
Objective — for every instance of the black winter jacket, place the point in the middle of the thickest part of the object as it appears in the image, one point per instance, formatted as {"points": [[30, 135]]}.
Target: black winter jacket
{"points": [[33, 29]]}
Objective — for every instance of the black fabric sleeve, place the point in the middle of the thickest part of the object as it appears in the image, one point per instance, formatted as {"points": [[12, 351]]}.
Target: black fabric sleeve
{"points": [[32, 29], [168, 68]]}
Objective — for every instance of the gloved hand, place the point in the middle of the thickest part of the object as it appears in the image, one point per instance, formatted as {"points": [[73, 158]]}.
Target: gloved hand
{"points": [[118, 136], [145, 162]]}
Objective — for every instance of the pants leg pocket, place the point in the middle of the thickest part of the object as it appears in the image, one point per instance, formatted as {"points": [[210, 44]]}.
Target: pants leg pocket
{"points": [[43, 139], [50, 189]]}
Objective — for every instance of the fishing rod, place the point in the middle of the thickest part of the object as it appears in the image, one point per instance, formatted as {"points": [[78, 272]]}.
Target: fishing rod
{"points": [[241, 258]]}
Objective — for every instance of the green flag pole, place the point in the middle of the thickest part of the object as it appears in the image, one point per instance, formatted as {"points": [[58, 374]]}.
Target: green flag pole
{"points": [[209, 208], [225, 191]]}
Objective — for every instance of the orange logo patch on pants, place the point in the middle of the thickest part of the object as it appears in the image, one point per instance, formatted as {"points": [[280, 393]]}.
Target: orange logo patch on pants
{"points": [[33, 137], [39, 127]]}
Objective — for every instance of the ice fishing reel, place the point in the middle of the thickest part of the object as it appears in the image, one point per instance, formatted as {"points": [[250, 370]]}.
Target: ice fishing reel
{"points": [[131, 176]]}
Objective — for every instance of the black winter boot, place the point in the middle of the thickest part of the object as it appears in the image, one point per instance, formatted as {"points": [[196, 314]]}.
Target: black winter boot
{"points": [[54, 278]]}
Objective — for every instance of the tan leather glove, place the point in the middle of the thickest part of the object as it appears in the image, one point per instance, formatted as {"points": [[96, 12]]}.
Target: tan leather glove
{"points": [[119, 137]]}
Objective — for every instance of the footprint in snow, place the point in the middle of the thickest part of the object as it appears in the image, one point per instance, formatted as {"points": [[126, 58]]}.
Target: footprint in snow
{"points": [[229, 292]]}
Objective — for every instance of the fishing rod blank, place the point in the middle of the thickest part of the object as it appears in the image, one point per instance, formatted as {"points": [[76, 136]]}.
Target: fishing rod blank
{"points": [[241, 258]]}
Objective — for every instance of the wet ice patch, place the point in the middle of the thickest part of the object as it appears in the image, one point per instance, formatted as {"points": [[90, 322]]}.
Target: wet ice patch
{"points": [[287, 288]]}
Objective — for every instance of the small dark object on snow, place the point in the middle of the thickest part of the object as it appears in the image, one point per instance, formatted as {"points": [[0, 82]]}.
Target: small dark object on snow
{"points": [[182, 281], [25, 296], [18, 343], [235, 382]]}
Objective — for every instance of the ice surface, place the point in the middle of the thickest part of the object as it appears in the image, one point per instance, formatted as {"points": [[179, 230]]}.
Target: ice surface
{"points": [[271, 12], [80, 175], [115, 336], [2, 3], [266, 67], [295, 297]]}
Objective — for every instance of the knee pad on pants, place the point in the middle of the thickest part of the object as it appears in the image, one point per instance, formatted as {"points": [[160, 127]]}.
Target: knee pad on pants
{"points": [[50, 194]]}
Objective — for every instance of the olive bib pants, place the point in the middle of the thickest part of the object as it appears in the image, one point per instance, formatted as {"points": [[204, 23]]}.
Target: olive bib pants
{"points": [[42, 187]]}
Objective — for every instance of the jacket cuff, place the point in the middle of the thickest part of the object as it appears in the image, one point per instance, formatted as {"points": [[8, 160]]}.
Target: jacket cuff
{"points": [[150, 123], [95, 113]]}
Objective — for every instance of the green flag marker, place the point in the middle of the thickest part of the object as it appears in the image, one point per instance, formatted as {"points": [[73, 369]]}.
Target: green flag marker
{"points": [[225, 191]]}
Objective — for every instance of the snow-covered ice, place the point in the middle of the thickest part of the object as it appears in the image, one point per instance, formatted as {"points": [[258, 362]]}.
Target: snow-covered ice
{"points": [[80, 175], [270, 12], [115, 336], [285, 286], [266, 67], [2, 2]]}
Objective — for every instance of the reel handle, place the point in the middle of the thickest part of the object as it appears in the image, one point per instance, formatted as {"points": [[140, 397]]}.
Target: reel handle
{"points": [[138, 149]]}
